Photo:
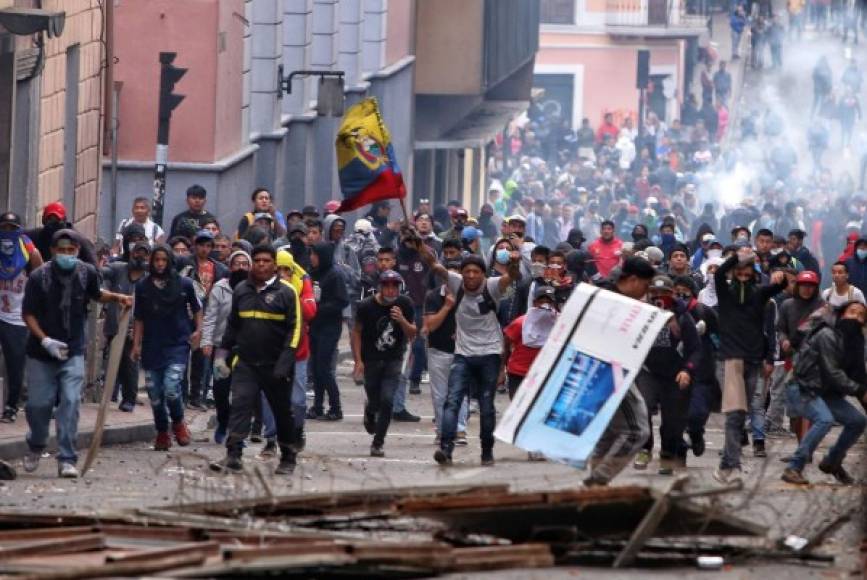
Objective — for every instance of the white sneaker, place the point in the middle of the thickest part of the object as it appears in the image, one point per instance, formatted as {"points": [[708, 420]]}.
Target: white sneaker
{"points": [[67, 470], [723, 475], [31, 461], [425, 378]]}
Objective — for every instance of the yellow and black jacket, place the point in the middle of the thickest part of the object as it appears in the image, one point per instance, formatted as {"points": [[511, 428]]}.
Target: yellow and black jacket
{"points": [[263, 324]]}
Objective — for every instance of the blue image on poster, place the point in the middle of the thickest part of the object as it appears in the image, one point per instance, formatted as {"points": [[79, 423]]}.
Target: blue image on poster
{"points": [[588, 384]]}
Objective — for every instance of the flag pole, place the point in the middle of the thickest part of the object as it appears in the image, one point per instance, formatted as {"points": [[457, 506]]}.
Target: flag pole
{"points": [[403, 207]]}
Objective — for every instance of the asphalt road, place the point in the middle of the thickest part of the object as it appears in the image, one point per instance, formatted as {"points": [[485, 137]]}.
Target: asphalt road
{"points": [[337, 459]]}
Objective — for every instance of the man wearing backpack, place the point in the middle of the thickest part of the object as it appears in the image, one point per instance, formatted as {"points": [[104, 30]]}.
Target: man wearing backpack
{"points": [[829, 367], [478, 345]]}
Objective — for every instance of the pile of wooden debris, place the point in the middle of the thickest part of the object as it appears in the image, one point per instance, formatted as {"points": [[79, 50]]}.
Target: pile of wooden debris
{"points": [[393, 533]]}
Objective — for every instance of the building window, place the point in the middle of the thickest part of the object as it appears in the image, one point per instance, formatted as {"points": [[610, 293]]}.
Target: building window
{"points": [[558, 11]]}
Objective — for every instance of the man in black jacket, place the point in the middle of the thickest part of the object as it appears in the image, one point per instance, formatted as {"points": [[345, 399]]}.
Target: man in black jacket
{"points": [[666, 377], [830, 367], [329, 289], [704, 393], [263, 331], [742, 347]]}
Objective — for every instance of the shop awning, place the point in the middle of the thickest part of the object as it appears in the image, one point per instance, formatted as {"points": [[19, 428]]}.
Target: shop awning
{"points": [[479, 127]]}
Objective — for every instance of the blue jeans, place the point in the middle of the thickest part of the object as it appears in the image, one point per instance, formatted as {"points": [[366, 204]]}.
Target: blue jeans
{"points": [[45, 380], [164, 391], [822, 412], [298, 399], [475, 376], [699, 408]]}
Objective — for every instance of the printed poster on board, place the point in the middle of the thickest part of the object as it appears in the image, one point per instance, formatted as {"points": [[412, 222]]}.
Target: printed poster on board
{"points": [[580, 376]]}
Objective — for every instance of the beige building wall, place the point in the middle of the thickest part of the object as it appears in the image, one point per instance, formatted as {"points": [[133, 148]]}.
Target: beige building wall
{"points": [[84, 23]]}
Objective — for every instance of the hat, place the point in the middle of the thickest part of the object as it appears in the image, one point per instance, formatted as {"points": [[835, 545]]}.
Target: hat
{"points": [[284, 259], [390, 277], [469, 234], [654, 254], [309, 209], [294, 212], [332, 206], [798, 233], [737, 229], [708, 238], [55, 209], [65, 234], [363, 226], [263, 215], [516, 218], [662, 283], [237, 253], [544, 291], [203, 236], [298, 227], [461, 211], [10, 217], [807, 277]]}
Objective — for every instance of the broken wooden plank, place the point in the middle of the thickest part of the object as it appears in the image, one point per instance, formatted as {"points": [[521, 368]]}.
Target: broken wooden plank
{"points": [[283, 549], [648, 525], [206, 548], [120, 569], [81, 543], [44, 533], [502, 557]]}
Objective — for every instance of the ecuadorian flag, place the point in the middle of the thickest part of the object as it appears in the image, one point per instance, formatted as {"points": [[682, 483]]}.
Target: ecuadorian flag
{"points": [[366, 166]]}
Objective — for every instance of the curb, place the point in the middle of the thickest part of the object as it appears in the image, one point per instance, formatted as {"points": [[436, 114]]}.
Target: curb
{"points": [[118, 435]]}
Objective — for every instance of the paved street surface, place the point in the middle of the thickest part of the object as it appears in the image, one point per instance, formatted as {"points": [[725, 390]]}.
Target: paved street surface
{"points": [[337, 459]]}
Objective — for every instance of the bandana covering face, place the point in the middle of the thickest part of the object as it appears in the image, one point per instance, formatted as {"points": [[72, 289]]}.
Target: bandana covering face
{"points": [[12, 257]]}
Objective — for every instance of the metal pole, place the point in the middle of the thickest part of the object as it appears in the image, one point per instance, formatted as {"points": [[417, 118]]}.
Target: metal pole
{"points": [[115, 104]]}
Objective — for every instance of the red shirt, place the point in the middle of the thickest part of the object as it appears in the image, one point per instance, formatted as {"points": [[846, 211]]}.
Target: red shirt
{"points": [[605, 255], [522, 357]]}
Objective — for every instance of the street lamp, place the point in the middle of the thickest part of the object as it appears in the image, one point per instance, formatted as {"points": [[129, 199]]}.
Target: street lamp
{"points": [[329, 98]]}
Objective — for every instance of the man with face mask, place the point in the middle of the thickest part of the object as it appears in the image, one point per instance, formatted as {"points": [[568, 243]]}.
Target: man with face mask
{"points": [[162, 338], [54, 310], [667, 376], [53, 220], [524, 290], [857, 266], [18, 257], [525, 336], [122, 277], [459, 221], [383, 328], [830, 367], [214, 326], [743, 347]]}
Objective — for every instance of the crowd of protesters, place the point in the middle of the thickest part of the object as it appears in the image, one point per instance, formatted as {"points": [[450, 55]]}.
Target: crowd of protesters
{"points": [[766, 286]]}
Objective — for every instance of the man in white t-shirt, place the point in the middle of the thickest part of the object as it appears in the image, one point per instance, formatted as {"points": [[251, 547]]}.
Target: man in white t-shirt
{"points": [[841, 292], [141, 212], [478, 346]]}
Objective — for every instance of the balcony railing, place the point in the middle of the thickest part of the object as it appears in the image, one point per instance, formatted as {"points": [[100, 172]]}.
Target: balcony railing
{"points": [[657, 13]]}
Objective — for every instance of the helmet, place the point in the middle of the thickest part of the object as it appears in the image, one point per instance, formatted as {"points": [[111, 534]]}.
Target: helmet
{"points": [[284, 259], [390, 277], [332, 206], [807, 277]]}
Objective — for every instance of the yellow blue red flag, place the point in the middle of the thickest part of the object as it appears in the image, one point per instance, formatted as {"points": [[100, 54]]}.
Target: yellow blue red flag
{"points": [[366, 165]]}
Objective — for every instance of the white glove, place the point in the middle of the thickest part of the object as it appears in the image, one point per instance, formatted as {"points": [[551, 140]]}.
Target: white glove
{"points": [[221, 369], [56, 348], [701, 327]]}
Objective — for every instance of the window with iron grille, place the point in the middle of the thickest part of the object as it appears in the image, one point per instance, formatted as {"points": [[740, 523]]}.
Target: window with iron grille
{"points": [[557, 11]]}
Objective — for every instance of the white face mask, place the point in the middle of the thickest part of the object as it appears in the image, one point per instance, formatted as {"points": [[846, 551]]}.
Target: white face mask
{"points": [[714, 253], [537, 270]]}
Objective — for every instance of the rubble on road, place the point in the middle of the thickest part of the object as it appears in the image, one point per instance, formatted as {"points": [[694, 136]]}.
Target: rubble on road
{"points": [[394, 533]]}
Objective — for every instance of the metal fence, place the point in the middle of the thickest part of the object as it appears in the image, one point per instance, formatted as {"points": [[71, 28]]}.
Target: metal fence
{"points": [[659, 13]]}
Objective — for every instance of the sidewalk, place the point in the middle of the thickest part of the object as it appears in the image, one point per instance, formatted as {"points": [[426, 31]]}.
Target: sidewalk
{"points": [[120, 428]]}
